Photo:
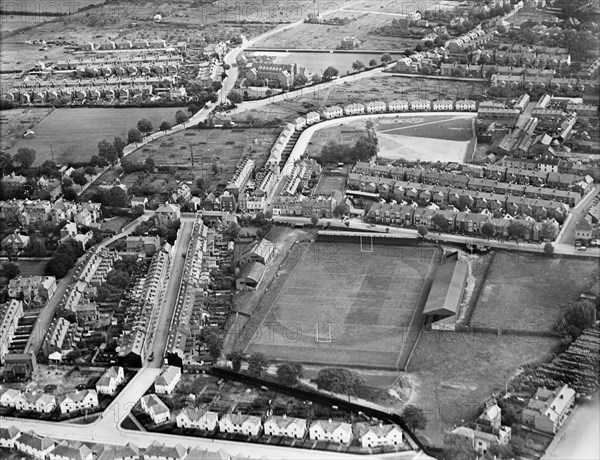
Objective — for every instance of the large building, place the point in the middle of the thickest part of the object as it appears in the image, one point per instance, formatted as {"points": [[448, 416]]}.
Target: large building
{"points": [[548, 409]]}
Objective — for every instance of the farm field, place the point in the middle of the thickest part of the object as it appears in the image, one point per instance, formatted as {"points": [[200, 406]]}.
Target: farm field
{"points": [[384, 87], [324, 36], [14, 123], [337, 305], [223, 147], [74, 133], [453, 373], [528, 292]]}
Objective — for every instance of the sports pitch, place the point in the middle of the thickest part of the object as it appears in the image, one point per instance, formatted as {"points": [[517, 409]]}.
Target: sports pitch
{"points": [[337, 305]]}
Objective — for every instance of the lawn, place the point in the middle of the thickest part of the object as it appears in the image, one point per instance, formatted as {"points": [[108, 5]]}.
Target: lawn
{"points": [[453, 373], [73, 134], [31, 268], [14, 123], [337, 305], [529, 292]]}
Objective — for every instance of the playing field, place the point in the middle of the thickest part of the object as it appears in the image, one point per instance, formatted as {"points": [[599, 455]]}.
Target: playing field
{"points": [[329, 184], [340, 306]]}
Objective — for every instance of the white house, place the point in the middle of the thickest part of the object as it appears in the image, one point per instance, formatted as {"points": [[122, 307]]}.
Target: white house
{"points": [[34, 445], [8, 436], [313, 117], [169, 378], [238, 423], [339, 432], [420, 105], [381, 435], [200, 420], [443, 105], [354, 109], [8, 397], [300, 123], [375, 107], [288, 427], [333, 112], [37, 402], [68, 450], [398, 106], [465, 104], [158, 451], [78, 400], [112, 377], [155, 408]]}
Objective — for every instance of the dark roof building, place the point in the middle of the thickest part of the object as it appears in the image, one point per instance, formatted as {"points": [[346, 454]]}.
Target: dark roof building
{"points": [[447, 290]]}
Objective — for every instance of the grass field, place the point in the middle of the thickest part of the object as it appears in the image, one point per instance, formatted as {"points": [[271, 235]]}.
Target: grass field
{"points": [[74, 133], [453, 374], [529, 292], [14, 123], [223, 147], [362, 302], [31, 268], [329, 184]]}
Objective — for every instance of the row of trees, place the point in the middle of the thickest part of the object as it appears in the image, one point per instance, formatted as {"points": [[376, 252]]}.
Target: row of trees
{"points": [[364, 148]]}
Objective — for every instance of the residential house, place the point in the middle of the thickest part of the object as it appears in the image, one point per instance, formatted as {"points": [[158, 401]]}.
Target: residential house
{"points": [[15, 242], [166, 382], [149, 245], [167, 213], [249, 425], [32, 444], [8, 436], [155, 408], [112, 377], [8, 397], [159, 451], [340, 432], [548, 409], [289, 427], [78, 400], [127, 452], [197, 419], [381, 435], [69, 450]]}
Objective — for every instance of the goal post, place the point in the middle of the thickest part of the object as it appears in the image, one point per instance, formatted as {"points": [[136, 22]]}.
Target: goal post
{"points": [[366, 246]]}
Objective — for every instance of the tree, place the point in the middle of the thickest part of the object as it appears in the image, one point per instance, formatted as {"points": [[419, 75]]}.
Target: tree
{"points": [[235, 98], [149, 164], [488, 229], [59, 265], [576, 318], [372, 62], [233, 231], [107, 151], [358, 65], [118, 278], [517, 229], [98, 161], [414, 418], [117, 197], [25, 157], [90, 171], [289, 374], [549, 249], [440, 222], [9, 270], [548, 231], [300, 80], [385, 58], [458, 448], [79, 177], [314, 220], [36, 248], [214, 344], [69, 194], [193, 108], [119, 145], [144, 126], [330, 72], [422, 230], [341, 209], [339, 380], [165, 126], [236, 358], [181, 117], [257, 364], [134, 136]]}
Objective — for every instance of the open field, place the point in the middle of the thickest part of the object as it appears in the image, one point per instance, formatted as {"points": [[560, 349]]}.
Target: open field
{"points": [[31, 268], [346, 133], [324, 36], [329, 184], [384, 87], [531, 13], [394, 147], [14, 123], [528, 292], [388, 6], [74, 133], [334, 304], [223, 147], [442, 127], [454, 373]]}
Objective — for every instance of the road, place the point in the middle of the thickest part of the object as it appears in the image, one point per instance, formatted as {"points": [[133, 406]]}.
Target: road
{"points": [[359, 225], [166, 306], [567, 235], [578, 437]]}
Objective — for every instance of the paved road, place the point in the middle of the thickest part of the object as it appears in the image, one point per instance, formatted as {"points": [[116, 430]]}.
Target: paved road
{"points": [[166, 306], [578, 437], [567, 235]]}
